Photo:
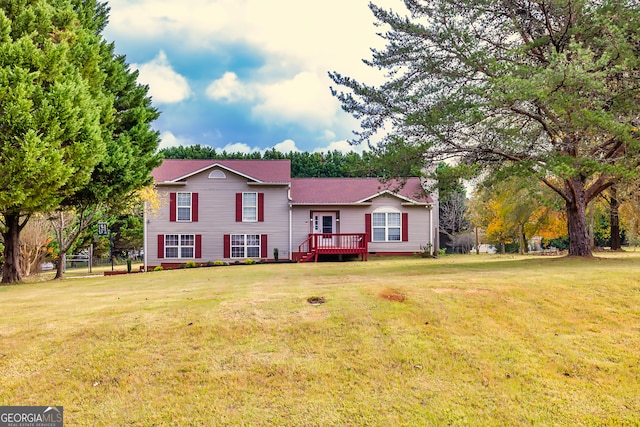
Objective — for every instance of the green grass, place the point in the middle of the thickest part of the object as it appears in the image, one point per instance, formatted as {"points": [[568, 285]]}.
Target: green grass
{"points": [[463, 340]]}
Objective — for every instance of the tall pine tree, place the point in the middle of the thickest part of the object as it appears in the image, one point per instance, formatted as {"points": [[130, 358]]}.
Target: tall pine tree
{"points": [[550, 87]]}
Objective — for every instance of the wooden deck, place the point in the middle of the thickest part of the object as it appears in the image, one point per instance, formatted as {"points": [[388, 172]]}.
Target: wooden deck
{"points": [[333, 244]]}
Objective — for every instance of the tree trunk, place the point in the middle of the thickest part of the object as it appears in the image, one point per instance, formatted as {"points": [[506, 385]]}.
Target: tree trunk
{"points": [[592, 236], [11, 270], [25, 259], [577, 219], [521, 239], [477, 242], [616, 242], [62, 260]]}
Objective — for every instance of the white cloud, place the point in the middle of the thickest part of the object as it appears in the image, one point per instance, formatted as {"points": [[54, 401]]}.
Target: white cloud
{"points": [[289, 145], [305, 99], [342, 146], [329, 135], [165, 85], [309, 36], [239, 147], [229, 89], [168, 139], [192, 22], [286, 146], [297, 42], [323, 36]]}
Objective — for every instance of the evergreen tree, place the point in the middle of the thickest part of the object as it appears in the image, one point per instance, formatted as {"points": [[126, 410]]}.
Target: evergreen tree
{"points": [[75, 124], [131, 143], [550, 86], [51, 114]]}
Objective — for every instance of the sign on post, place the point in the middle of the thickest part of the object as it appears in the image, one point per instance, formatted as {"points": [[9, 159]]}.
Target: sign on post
{"points": [[103, 230]]}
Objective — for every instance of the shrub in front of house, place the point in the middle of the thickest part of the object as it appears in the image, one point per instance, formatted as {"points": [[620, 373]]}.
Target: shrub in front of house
{"points": [[426, 251], [219, 263], [249, 261], [158, 268], [191, 264]]}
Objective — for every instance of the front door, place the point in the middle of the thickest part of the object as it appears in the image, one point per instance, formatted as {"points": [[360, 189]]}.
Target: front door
{"points": [[324, 223]]}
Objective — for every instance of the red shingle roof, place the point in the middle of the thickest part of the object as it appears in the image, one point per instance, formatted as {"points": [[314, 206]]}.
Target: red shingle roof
{"points": [[303, 190], [352, 190], [272, 171]]}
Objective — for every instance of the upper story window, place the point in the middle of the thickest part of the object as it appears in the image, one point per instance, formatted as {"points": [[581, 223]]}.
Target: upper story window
{"points": [[386, 225], [249, 207], [183, 205]]}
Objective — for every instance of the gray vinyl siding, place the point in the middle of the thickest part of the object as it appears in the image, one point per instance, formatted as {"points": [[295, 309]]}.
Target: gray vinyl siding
{"points": [[418, 226], [352, 220], [217, 216]]}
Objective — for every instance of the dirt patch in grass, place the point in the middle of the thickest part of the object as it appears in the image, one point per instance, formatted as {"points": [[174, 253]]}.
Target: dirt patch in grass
{"points": [[392, 295], [316, 300]]}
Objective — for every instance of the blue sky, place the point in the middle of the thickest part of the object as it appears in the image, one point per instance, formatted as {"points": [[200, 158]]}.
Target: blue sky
{"points": [[244, 75]]}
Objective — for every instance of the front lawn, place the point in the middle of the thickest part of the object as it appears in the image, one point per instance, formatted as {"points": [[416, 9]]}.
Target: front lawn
{"points": [[462, 340]]}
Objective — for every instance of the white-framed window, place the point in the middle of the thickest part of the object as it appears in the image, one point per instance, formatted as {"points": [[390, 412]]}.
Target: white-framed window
{"points": [[249, 207], [179, 245], [217, 174], [183, 206], [245, 246], [387, 226]]}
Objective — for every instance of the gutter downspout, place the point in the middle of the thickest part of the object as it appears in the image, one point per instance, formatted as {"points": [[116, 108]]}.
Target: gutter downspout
{"points": [[430, 207], [144, 243], [290, 222]]}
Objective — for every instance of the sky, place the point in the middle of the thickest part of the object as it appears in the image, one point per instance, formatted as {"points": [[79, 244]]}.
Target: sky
{"points": [[248, 75]]}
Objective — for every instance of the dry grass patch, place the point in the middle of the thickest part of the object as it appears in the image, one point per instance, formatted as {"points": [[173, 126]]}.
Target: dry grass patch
{"points": [[392, 295], [476, 341]]}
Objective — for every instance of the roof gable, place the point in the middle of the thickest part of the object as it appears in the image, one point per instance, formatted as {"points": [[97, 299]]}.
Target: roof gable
{"points": [[303, 190], [263, 171], [354, 190]]}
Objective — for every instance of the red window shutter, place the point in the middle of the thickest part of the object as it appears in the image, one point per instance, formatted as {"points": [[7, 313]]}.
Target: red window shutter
{"points": [[160, 246], [194, 207], [238, 207], [367, 226], [227, 246], [260, 207], [172, 206], [263, 246], [198, 245], [405, 227]]}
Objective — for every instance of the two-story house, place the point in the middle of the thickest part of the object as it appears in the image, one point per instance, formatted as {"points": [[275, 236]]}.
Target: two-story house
{"points": [[231, 210]]}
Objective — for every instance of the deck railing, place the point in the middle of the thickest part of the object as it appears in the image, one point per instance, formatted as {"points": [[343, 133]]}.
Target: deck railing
{"points": [[334, 243]]}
